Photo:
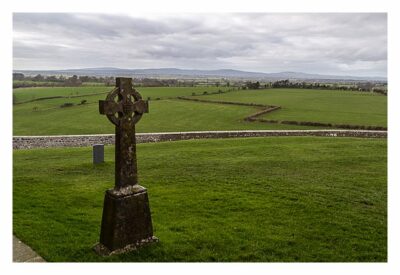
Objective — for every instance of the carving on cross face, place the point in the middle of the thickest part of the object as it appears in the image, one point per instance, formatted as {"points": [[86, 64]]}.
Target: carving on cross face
{"points": [[119, 106]]}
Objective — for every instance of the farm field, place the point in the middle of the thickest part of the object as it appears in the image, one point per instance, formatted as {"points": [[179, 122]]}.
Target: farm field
{"points": [[164, 116], [328, 106], [23, 94], [262, 199], [168, 114]]}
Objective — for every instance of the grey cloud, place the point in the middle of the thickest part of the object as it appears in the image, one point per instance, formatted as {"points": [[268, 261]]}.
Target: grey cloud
{"points": [[269, 42], [61, 24]]}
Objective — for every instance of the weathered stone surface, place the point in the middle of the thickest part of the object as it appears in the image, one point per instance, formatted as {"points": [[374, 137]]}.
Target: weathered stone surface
{"points": [[126, 221], [23, 253], [27, 142], [105, 251], [98, 153], [30, 142]]}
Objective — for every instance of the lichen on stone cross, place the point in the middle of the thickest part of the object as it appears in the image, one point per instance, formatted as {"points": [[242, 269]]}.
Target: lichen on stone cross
{"points": [[124, 107], [126, 222]]}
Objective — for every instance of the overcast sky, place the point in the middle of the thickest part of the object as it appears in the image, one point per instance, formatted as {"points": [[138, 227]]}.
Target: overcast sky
{"points": [[324, 43]]}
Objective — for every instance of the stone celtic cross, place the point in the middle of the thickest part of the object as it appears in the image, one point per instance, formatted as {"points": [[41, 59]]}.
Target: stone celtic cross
{"points": [[126, 223], [124, 107]]}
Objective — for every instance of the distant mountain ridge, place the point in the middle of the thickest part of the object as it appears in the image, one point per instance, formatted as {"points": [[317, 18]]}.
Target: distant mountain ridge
{"points": [[175, 72]]}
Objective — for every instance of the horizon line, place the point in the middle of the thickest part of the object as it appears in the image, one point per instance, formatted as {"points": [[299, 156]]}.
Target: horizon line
{"points": [[191, 69]]}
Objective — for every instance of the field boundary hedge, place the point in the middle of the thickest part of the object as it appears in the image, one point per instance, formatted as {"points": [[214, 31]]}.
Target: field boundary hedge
{"points": [[321, 124], [58, 96], [271, 108]]}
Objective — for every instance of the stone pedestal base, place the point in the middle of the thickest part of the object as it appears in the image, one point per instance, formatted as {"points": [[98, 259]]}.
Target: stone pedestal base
{"points": [[105, 251], [126, 223]]}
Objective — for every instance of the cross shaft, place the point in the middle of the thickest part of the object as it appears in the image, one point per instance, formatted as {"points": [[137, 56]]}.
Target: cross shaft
{"points": [[124, 107]]}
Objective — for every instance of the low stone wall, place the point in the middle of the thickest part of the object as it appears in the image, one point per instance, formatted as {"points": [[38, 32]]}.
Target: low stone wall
{"points": [[28, 142]]}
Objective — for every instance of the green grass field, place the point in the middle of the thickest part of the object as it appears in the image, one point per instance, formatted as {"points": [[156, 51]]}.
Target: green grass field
{"points": [[304, 199], [164, 116], [328, 106], [23, 94], [45, 117]]}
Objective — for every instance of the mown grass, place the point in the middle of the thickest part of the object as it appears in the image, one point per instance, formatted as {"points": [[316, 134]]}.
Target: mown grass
{"points": [[164, 116], [302, 199], [24, 94], [327, 106], [45, 117]]}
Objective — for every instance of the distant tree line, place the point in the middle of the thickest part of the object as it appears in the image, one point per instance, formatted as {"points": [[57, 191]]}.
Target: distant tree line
{"points": [[253, 85], [362, 86], [154, 82], [20, 80]]}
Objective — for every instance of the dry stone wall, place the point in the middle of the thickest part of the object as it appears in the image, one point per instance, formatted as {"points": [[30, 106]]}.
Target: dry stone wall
{"points": [[29, 142]]}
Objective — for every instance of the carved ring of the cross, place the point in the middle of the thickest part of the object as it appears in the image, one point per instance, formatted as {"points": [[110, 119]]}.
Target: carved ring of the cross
{"points": [[119, 105]]}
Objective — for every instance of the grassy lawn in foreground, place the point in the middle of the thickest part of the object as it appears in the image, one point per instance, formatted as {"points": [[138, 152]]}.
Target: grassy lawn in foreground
{"points": [[257, 199]]}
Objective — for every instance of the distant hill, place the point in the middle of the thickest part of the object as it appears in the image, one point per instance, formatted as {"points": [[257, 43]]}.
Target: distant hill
{"points": [[183, 73]]}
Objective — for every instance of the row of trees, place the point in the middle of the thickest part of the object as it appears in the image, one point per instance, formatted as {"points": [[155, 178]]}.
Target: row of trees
{"points": [[362, 86], [20, 80], [252, 85], [154, 82]]}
